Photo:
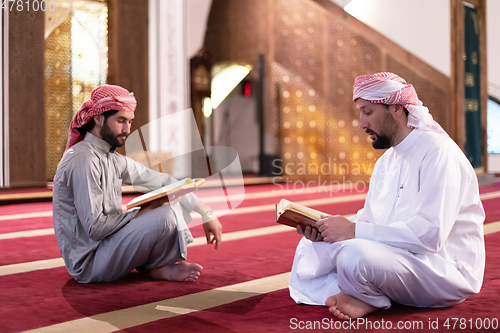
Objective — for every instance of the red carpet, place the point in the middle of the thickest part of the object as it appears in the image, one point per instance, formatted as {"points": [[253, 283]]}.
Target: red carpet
{"points": [[44, 247], [50, 296], [275, 311], [66, 299], [32, 223]]}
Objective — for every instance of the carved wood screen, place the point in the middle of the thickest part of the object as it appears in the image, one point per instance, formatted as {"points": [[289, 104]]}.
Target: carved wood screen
{"points": [[314, 50], [26, 99]]}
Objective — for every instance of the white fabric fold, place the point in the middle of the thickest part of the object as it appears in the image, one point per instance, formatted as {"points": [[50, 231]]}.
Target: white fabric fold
{"points": [[388, 88]]}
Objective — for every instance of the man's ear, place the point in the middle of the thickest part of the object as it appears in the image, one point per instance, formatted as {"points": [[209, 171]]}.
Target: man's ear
{"points": [[99, 120], [398, 110]]}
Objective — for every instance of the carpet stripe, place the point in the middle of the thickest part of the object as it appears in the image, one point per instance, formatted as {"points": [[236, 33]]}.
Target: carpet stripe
{"points": [[28, 233], [179, 309], [31, 266], [58, 262], [212, 199], [259, 195], [169, 308], [492, 227], [281, 192], [25, 215], [489, 195], [34, 214], [362, 196], [242, 210], [172, 307], [230, 236], [312, 202]]}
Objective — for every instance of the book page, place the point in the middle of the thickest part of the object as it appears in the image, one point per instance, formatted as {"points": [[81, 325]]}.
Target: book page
{"points": [[185, 183], [285, 204], [157, 191], [281, 206]]}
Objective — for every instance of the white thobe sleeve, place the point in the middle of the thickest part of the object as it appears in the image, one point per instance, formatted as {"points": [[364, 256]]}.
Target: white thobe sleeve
{"points": [[356, 217], [436, 207], [136, 174]]}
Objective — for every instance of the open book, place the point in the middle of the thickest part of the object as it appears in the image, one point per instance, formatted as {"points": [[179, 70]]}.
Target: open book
{"points": [[292, 214], [179, 188]]}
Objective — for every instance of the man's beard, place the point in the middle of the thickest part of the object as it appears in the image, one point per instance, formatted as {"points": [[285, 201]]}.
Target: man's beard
{"points": [[110, 138], [388, 132], [381, 141]]}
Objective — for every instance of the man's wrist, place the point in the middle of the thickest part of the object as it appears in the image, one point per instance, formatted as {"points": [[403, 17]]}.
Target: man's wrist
{"points": [[208, 216]]}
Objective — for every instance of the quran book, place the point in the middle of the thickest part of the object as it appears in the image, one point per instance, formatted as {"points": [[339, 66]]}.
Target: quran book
{"points": [[292, 214], [179, 188]]}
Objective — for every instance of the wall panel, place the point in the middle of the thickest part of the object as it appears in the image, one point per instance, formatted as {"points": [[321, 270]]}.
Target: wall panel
{"points": [[315, 51], [26, 98]]}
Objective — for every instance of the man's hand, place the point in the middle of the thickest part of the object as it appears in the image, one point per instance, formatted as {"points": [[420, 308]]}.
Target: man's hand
{"points": [[310, 233], [336, 228], [213, 232], [212, 228]]}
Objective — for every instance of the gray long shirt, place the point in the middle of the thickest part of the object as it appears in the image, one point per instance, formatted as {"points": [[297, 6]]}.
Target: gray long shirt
{"points": [[87, 198]]}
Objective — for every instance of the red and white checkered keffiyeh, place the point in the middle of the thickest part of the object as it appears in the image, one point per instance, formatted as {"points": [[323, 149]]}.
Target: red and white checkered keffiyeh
{"points": [[388, 88], [103, 98]]}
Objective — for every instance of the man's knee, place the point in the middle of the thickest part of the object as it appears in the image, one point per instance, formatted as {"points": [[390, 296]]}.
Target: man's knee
{"points": [[361, 255], [166, 212], [158, 221], [167, 219]]}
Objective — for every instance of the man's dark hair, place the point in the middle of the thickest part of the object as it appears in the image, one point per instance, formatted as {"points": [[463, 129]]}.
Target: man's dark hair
{"points": [[406, 111], [90, 125]]}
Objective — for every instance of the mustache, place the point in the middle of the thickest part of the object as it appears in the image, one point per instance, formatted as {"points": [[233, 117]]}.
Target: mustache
{"points": [[369, 131]]}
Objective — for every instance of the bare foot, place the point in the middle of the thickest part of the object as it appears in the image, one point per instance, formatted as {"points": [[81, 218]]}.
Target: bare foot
{"points": [[345, 306], [181, 272]]}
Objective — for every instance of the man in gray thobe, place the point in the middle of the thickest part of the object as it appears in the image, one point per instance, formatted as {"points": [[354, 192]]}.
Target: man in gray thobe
{"points": [[98, 241]]}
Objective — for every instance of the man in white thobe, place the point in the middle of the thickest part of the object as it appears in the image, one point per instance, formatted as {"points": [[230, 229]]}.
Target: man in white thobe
{"points": [[98, 241], [418, 240]]}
